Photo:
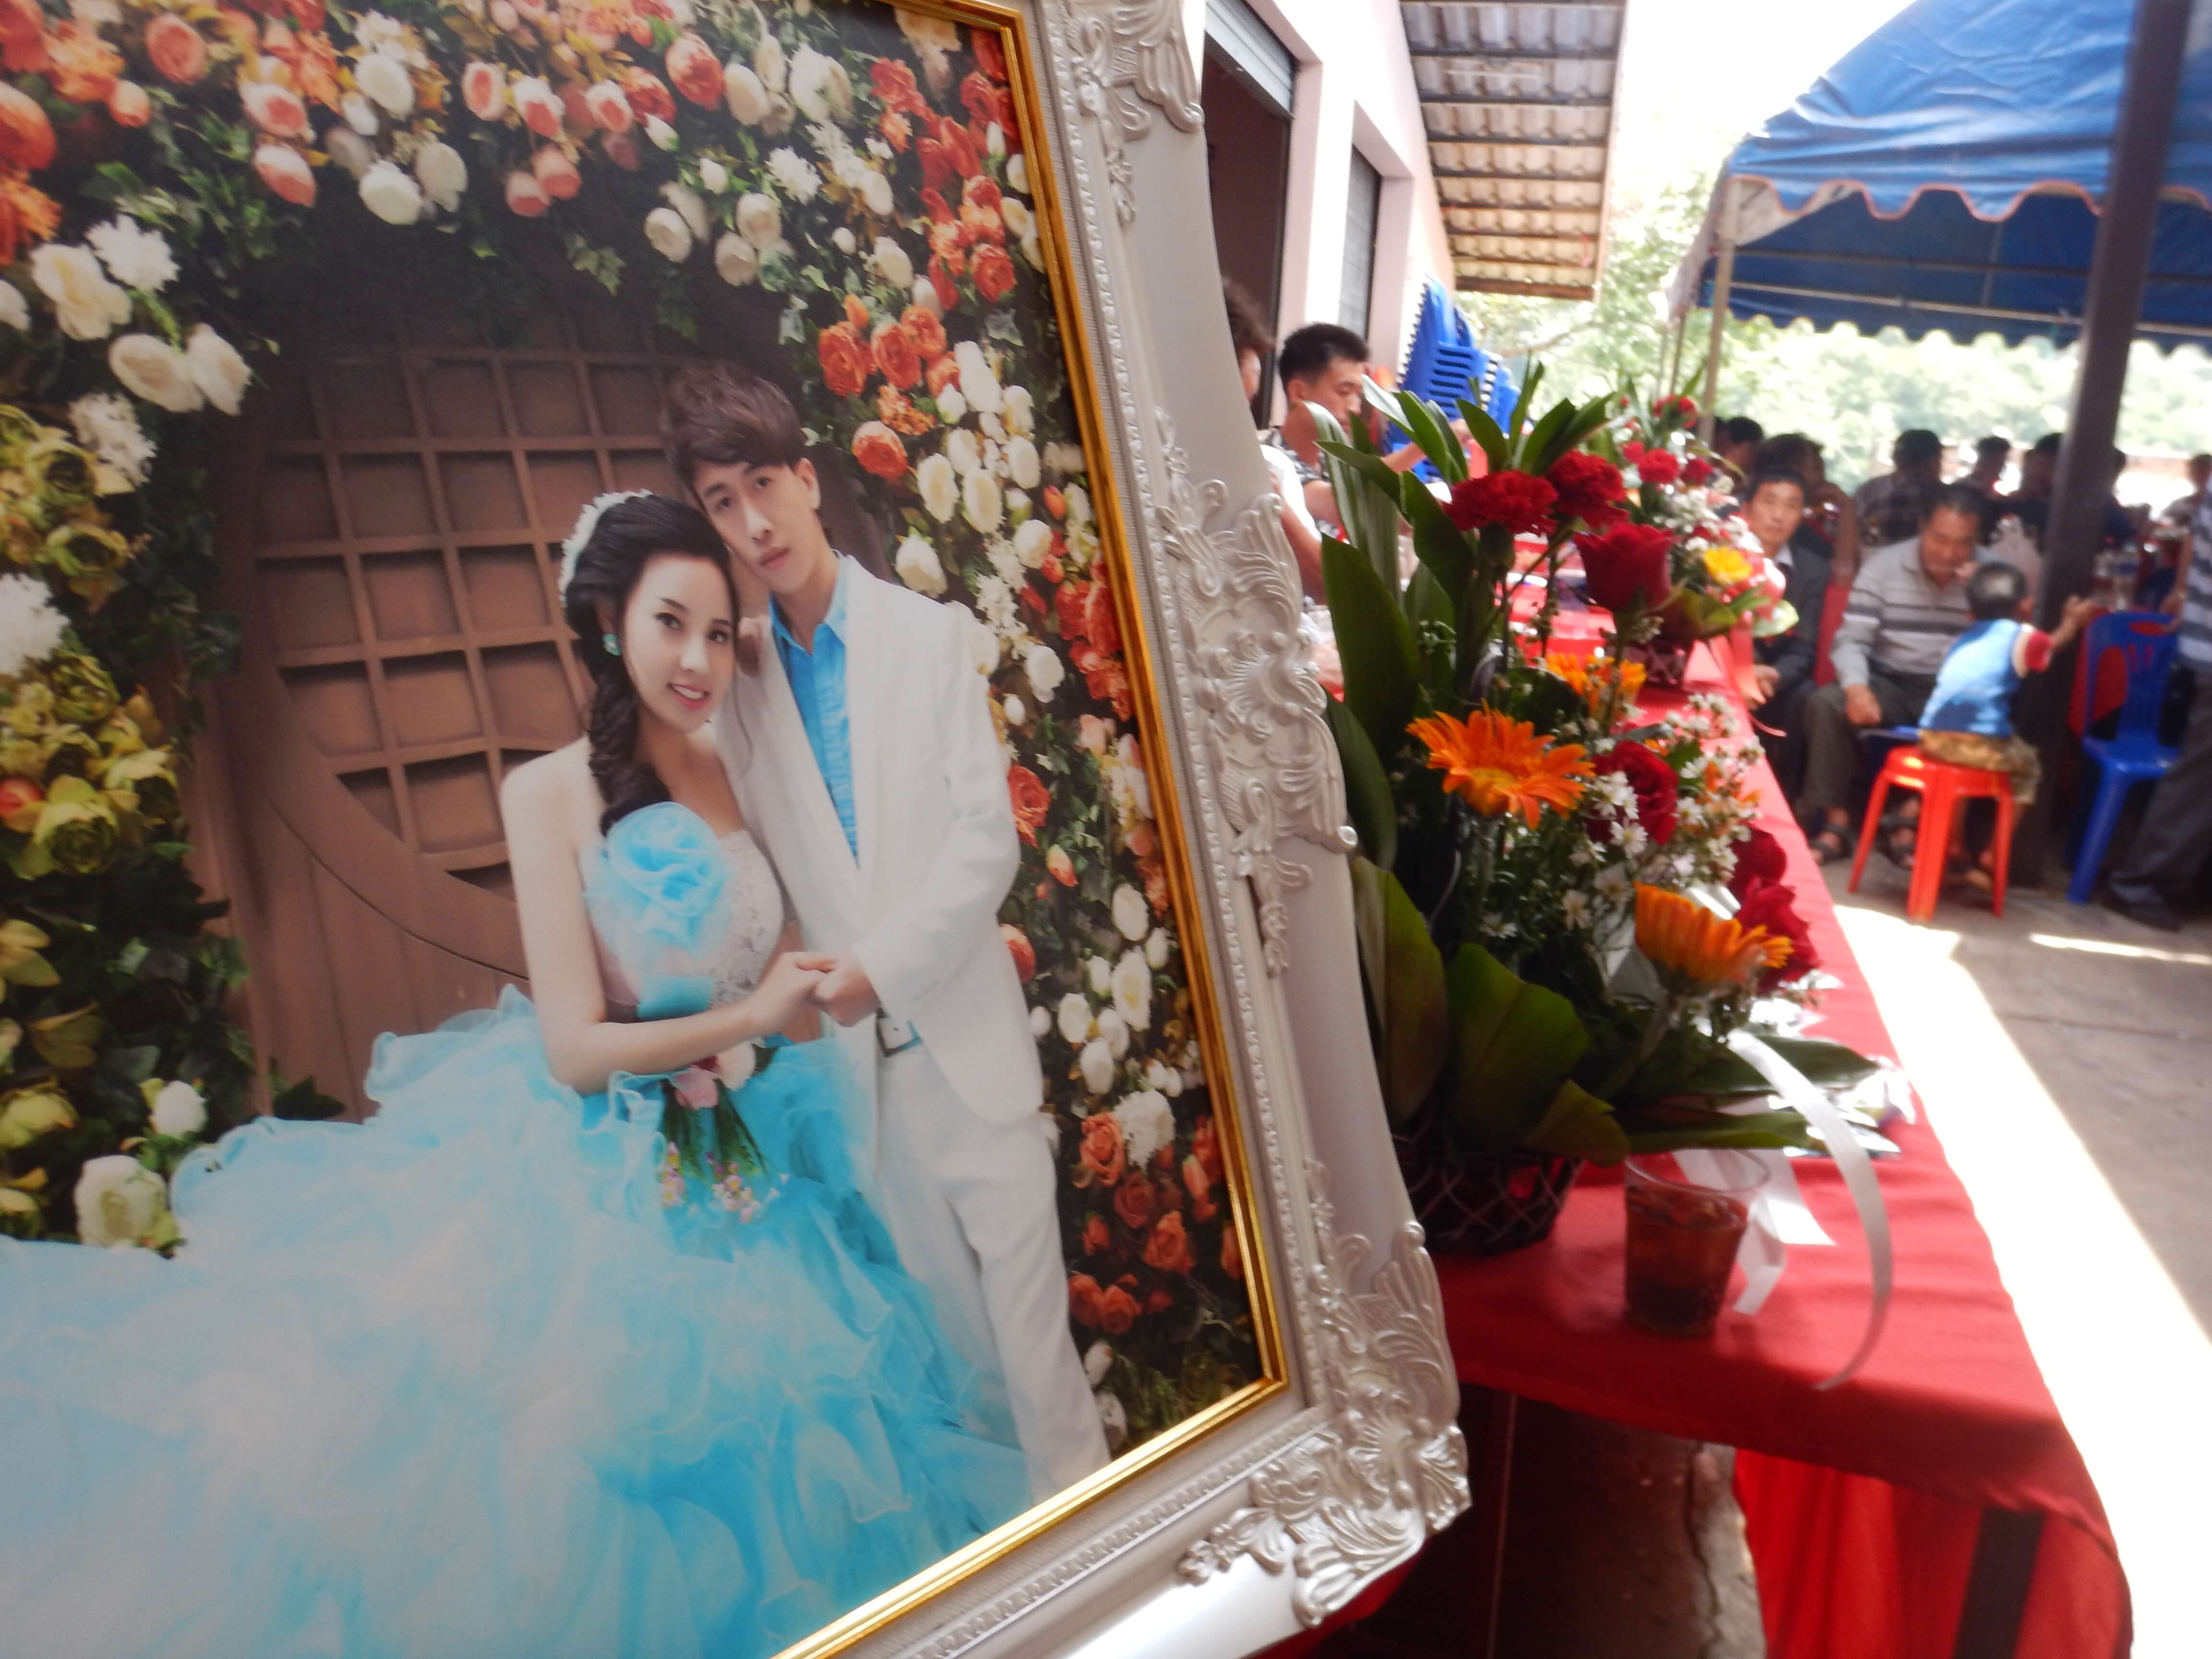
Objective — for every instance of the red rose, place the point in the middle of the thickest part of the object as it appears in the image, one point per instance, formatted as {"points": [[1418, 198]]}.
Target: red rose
{"points": [[1056, 500], [1084, 1296], [879, 449], [943, 372], [988, 57], [1168, 1249], [1031, 803], [1589, 489], [897, 356], [1233, 1259], [959, 149], [1657, 789], [1206, 1147], [1658, 466], [1627, 567], [1106, 677], [945, 275], [981, 224], [27, 137], [1097, 1240], [980, 97], [894, 86], [1696, 470], [844, 361], [1199, 1186], [981, 193], [1681, 406], [1517, 501], [23, 37], [926, 332], [1019, 948], [648, 96], [1757, 862], [694, 72], [1134, 1199], [995, 272], [937, 173], [1117, 1311], [1100, 1152], [897, 131], [1769, 906]]}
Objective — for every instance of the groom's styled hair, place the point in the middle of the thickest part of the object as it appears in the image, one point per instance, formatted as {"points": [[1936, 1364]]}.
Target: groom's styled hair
{"points": [[717, 414]]}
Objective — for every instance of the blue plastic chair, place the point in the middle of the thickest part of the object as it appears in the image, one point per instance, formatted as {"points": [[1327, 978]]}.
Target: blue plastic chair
{"points": [[1443, 364], [2133, 754]]}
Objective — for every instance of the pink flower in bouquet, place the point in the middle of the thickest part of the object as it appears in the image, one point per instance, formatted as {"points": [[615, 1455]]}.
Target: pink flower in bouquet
{"points": [[1658, 466], [1519, 502], [1769, 905], [1658, 791], [1628, 567], [1589, 489], [695, 1087]]}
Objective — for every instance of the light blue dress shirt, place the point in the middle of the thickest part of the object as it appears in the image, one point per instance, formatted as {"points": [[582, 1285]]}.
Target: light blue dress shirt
{"points": [[817, 684]]}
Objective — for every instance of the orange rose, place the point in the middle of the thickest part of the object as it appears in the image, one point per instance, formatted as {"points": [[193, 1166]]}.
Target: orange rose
{"points": [[983, 194], [1206, 1147], [1084, 1298], [1019, 948], [897, 357], [23, 37], [982, 224], [27, 137], [897, 131], [1155, 871], [1117, 1311], [943, 371], [694, 70], [648, 96], [988, 57], [1100, 1155], [28, 214], [945, 277], [1097, 1240], [1169, 1248], [980, 97], [1134, 1201], [1106, 677], [934, 204], [928, 333], [85, 67], [1140, 839], [897, 411], [1199, 1186], [1102, 626], [857, 314], [1056, 501], [128, 106], [177, 50], [879, 449], [959, 148], [1031, 802], [844, 361], [1233, 1259], [995, 272], [893, 83], [1061, 866], [938, 173]]}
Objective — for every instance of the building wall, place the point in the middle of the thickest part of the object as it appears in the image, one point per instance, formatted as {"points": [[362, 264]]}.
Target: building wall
{"points": [[1355, 87]]}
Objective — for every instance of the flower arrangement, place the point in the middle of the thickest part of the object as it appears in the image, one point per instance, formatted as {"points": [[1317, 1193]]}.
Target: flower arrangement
{"points": [[858, 172], [1564, 910]]}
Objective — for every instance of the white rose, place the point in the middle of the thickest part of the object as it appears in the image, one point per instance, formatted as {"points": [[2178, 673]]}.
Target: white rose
{"points": [[892, 263], [980, 500], [1032, 247], [1095, 1063], [1130, 915], [216, 368], [136, 257], [1063, 459], [1147, 1124], [178, 1110], [86, 304], [1133, 990], [1018, 175], [819, 86], [152, 368], [939, 486], [714, 176], [977, 383], [663, 136], [1020, 409], [118, 1201], [391, 195], [1021, 464], [1097, 1360], [690, 206], [1040, 1023], [994, 141], [1100, 973], [926, 296], [951, 406], [383, 78], [993, 427], [1074, 1016], [670, 236], [748, 98], [1078, 498], [983, 648], [769, 62], [361, 121], [1113, 1032], [760, 221], [1032, 542], [965, 450], [1045, 670], [1155, 948], [1113, 1418], [1016, 213], [737, 262], [1159, 1076], [1014, 709], [918, 567], [845, 241], [876, 194], [14, 311], [442, 174]]}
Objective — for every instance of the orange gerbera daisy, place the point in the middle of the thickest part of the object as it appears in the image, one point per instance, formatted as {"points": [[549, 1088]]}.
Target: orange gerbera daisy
{"points": [[1496, 765], [1682, 936], [1593, 677]]}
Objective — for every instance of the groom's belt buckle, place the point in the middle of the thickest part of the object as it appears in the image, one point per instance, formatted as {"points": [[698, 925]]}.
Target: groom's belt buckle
{"points": [[896, 1036]]}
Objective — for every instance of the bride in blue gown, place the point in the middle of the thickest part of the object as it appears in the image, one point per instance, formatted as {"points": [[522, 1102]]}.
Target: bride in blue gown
{"points": [[587, 1342]]}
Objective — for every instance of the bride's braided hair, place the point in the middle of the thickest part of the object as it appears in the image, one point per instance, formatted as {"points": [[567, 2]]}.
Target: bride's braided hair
{"points": [[627, 533]]}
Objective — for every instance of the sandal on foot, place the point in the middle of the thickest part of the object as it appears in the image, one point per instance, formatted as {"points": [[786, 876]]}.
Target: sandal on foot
{"points": [[1831, 843]]}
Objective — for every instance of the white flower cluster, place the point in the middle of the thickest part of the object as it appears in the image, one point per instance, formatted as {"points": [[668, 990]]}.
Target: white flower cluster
{"points": [[31, 625]]}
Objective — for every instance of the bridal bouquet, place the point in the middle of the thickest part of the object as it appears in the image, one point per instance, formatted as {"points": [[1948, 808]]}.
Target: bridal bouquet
{"points": [[1560, 921]]}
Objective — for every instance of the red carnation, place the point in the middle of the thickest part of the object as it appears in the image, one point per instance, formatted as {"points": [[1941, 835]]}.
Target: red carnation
{"points": [[1589, 489], [1658, 791], [1696, 470], [1768, 905], [1757, 862], [1658, 466], [1517, 501], [1628, 567]]}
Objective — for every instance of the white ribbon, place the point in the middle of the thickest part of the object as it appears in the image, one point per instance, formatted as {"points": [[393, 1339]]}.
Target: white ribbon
{"points": [[1858, 1170], [1779, 1217]]}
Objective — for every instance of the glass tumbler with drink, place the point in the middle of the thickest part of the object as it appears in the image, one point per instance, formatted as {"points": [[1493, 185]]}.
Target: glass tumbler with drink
{"points": [[1684, 1225]]}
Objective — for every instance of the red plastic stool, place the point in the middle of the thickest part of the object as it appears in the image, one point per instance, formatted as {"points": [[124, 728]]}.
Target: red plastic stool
{"points": [[1942, 785]]}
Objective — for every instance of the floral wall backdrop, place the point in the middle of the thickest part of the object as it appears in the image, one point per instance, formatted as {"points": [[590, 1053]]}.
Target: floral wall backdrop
{"points": [[862, 174]]}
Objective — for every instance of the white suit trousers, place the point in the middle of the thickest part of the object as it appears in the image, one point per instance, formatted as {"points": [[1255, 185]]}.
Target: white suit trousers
{"points": [[971, 1209]]}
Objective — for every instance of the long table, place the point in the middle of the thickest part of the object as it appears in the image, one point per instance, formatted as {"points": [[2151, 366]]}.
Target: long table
{"points": [[1935, 1504]]}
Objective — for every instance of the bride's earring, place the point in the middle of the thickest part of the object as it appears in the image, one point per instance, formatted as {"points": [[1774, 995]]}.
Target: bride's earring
{"points": [[612, 646]]}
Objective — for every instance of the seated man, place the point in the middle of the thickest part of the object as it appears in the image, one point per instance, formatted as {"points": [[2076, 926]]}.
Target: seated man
{"points": [[1325, 366], [1773, 508], [1907, 607]]}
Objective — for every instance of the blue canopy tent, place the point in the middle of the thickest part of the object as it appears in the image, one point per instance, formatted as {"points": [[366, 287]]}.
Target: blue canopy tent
{"points": [[1945, 174]]}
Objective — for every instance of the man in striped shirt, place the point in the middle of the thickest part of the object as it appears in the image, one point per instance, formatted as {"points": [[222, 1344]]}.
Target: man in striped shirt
{"points": [[2170, 849], [1907, 605]]}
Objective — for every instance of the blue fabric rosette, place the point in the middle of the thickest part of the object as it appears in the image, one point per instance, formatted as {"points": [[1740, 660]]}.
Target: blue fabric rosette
{"points": [[658, 893]]}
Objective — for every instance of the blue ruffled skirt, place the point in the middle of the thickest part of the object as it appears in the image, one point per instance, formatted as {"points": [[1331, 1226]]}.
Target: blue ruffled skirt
{"points": [[460, 1381]]}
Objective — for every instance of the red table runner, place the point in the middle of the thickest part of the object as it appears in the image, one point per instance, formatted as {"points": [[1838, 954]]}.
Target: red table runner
{"points": [[1862, 1504]]}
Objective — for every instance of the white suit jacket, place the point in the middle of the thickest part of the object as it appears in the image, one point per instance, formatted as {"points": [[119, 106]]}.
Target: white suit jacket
{"points": [[938, 848]]}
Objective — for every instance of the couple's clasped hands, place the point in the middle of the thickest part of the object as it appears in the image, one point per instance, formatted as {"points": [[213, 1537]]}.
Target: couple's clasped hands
{"points": [[831, 982]]}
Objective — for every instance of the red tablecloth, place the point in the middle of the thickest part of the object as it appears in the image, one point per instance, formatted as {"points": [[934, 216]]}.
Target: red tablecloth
{"points": [[1861, 1503]]}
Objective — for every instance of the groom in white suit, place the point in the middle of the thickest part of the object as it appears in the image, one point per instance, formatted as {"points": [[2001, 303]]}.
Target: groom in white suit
{"points": [[864, 754]]}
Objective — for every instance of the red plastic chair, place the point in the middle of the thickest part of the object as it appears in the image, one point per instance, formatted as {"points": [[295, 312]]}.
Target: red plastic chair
{"points": [[1942, 786]]}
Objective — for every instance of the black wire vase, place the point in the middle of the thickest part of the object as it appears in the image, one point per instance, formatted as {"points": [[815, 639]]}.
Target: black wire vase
{"points": [[1480, 1203]]}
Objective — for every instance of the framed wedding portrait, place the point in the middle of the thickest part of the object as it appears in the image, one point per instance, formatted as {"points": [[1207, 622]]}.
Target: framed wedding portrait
{"points": [[654, 826]]}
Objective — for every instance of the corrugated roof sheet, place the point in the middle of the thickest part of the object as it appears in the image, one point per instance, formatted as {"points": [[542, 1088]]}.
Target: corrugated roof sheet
{"points": [[1518, 99]]}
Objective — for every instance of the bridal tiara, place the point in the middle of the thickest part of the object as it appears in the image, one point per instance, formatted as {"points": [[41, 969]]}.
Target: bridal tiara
{"points": [[586, 522]]}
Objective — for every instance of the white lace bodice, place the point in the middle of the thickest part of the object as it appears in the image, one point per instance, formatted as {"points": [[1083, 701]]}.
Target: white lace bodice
{"points": [[757, 918]]}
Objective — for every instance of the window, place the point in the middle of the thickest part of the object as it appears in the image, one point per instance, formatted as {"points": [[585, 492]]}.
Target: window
{"points": [[1364, 201]]}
